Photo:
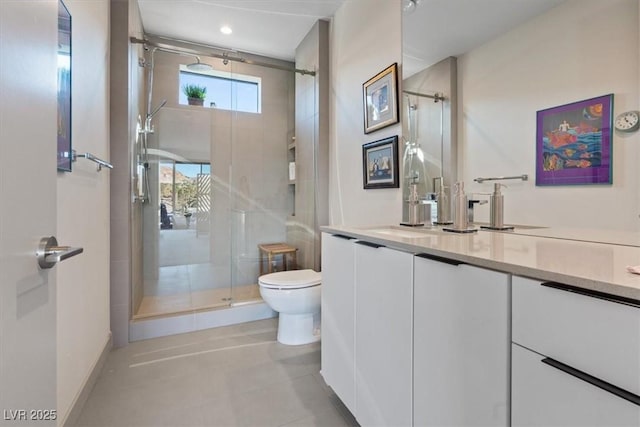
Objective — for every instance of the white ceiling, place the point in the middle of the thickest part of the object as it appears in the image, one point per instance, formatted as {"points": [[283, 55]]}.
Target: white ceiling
{"points": [[438, 29], [272, 28]]}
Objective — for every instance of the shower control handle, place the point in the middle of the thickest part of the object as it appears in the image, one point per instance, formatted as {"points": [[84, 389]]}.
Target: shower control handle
{"points": [[49, 253]]}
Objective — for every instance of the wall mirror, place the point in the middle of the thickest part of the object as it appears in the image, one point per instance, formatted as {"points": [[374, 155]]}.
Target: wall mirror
{"points": [[510, 60], [64, 88], [434, 33]]}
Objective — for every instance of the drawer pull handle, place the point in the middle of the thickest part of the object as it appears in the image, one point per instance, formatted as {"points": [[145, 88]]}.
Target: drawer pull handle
{"points": [[440, 259], [622, 393], [342, 236], [594, 294], [371, 245]]}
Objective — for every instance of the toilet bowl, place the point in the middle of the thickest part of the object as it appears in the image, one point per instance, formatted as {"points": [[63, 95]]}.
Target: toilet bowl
{"points": [[295, 295]]}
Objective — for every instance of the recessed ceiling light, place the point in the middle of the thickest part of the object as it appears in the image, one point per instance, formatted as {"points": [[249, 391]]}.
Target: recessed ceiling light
{"points": [[225, 29]]}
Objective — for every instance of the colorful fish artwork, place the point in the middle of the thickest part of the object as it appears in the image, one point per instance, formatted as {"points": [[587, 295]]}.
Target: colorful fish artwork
{"points": [[573, 143]]}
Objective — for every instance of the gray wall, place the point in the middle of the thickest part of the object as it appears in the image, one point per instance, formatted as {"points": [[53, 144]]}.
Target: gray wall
{"points": [[127, 98], [312, 147]]}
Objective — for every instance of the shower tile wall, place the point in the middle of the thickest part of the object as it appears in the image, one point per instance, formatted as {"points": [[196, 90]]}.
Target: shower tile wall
{"points": [[127, 94], [312, 128]]}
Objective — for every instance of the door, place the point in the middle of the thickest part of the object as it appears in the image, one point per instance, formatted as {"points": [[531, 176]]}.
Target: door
{"points": [[461, 344], [338, 317], [28, 129], [384, 300]]}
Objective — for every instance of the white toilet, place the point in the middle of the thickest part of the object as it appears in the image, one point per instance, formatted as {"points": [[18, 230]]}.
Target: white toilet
{"points": [[295, 295]]}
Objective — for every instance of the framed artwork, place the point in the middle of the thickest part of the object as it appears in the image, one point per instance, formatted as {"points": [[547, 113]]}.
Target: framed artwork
{"points": [[380, 99], [573, 143], [380, 164], [64, 88]]}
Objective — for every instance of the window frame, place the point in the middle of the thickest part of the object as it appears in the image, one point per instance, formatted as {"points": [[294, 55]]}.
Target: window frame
{"points": [[224, 75]]}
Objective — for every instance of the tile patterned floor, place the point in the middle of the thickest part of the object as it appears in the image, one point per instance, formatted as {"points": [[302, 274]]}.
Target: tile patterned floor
{"points": [[231, 376]]}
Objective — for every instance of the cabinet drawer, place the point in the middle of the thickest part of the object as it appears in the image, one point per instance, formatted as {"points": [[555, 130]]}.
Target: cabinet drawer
{"points": [[543, 395], [591, 334]]}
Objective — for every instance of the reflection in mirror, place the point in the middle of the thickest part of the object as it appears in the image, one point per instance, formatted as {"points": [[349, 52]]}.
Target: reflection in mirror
{"points": [[64, 88], [428, 120], [430, 46]]}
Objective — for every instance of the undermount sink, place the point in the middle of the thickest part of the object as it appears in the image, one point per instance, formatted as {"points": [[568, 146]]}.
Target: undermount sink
{"points": [[409, 233], [515, 229], [422, 232]]}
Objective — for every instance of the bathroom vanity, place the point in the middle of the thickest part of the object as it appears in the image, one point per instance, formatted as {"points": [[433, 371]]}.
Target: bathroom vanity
{"points": [[423, 327]]}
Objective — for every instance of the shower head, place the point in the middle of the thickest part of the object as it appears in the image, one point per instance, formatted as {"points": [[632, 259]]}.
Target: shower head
{"points": [[162, 104], [199, 66]]}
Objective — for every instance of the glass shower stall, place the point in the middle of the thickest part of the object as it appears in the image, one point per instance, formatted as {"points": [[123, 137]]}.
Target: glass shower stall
{"points": [[214, 181]]}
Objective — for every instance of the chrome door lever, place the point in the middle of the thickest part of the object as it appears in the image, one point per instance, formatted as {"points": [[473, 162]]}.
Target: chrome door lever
{"points": [[49, 253]]}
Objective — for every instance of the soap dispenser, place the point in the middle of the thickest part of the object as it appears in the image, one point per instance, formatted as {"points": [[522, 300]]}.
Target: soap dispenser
{"points": [[460, 202], [460, 216], [443, 209], [496, 213], [414, 207], [496, 201]]}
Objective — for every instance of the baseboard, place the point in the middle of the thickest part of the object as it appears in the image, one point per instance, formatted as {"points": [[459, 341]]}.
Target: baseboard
{"points": [[83, 395]]}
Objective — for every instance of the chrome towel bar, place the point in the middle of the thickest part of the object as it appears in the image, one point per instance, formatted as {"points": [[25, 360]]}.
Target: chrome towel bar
{"points": [[93, 158], [497, 178]]}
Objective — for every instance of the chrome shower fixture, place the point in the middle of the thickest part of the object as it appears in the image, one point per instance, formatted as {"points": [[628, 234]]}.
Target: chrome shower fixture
{"points": [[199, 66], [162, 104], [148, 128], [410, 6]]}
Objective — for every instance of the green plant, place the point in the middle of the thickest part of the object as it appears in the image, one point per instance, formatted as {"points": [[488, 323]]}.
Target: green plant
{"points": [[194, 91]]}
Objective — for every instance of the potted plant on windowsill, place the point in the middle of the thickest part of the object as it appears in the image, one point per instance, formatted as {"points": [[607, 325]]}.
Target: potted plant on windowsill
{"points": [[195, 94]]}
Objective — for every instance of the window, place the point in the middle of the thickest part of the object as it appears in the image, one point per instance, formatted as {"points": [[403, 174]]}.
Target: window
{"points": [[228, 91]]}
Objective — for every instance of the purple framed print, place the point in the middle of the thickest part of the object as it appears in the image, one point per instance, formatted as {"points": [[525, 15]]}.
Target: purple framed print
{"points": [[64, 88], [573, 143]]}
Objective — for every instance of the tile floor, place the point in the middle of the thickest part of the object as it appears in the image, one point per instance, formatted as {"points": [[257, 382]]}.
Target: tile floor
{"points": [[231, 376], [188, 301], [180, 247]]}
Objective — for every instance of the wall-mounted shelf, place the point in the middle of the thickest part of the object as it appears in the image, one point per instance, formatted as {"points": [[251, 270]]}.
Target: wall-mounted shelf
{"points": [[292, 146]]}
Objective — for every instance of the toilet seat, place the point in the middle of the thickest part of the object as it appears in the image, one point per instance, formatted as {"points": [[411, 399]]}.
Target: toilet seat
{"points": [[293, 279]]}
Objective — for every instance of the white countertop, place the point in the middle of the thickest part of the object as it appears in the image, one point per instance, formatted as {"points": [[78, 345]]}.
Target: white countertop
{"points": [[614, 237], [568, 256]]}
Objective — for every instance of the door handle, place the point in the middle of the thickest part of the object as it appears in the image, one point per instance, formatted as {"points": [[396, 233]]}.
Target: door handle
{"points": [[49, 253]]}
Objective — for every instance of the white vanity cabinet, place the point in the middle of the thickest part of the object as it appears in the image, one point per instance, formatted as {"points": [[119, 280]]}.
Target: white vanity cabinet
{"points": [[383, 279], [461, 344], [575, 356], [338, 316]]}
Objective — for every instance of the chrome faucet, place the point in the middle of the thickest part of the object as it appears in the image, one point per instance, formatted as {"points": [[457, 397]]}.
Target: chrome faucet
{"points": [[471, 204]]}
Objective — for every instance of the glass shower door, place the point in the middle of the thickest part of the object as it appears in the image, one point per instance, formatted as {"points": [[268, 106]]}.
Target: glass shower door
{"points": [[261, 197]]}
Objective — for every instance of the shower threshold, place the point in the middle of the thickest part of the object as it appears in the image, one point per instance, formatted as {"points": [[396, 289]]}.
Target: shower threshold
{"points": [[196, 320], [196, 301]]}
